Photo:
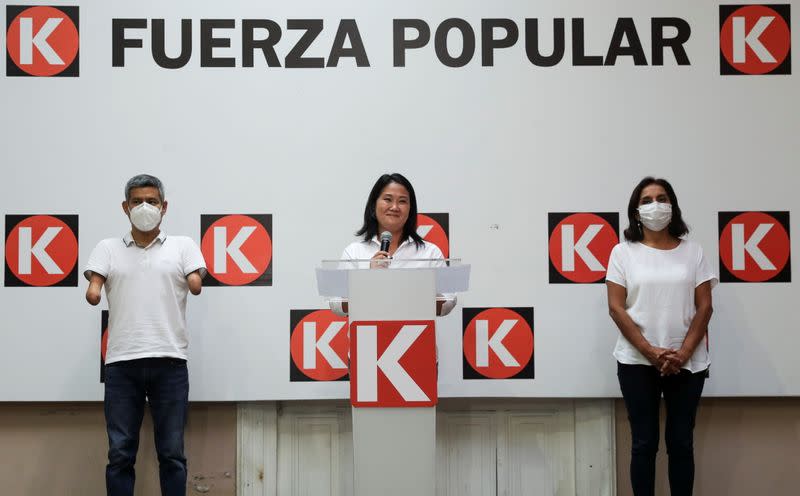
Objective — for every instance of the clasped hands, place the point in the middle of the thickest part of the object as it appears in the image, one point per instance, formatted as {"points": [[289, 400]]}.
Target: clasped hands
{"points": [[668, 361]]}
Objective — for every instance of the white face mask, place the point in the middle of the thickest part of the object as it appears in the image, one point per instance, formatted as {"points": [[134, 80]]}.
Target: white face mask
{"points": [[656, 215], [145, 217]]}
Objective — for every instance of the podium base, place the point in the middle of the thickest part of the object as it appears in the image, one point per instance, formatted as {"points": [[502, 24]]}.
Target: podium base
{"points": [[394, 451]]}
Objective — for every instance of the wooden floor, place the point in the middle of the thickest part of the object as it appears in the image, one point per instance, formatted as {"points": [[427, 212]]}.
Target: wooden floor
{"points": [[60, 450], [743, 447]]}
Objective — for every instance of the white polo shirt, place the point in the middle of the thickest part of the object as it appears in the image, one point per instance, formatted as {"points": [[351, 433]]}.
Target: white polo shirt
{"points": [[408, 250], [146, 290]]}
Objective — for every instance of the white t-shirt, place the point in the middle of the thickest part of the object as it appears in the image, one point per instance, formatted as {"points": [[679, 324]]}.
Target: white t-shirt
{"points": [[146, 290], [660, 288], [408, 250]]}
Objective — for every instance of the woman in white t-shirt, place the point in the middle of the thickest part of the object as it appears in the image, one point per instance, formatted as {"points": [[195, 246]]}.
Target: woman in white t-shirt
{"points": [[659, 295]]}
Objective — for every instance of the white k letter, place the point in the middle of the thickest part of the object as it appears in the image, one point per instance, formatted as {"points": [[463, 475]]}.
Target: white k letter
{"points": [[221, 249], [569, 247]]}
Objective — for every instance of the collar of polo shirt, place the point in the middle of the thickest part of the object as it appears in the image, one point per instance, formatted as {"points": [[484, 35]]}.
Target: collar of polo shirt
{"points": [[128, 239]]}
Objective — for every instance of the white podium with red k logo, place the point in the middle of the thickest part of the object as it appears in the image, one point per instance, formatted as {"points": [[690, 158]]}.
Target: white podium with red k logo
{"points": [[393, 371]]}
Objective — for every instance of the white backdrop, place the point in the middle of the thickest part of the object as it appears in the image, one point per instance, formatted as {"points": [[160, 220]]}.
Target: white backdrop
{"points": [[495, 147]]}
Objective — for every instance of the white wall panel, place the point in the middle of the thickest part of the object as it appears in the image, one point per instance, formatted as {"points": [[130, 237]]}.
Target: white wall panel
{"points": [[484, 448], [495, 147]]}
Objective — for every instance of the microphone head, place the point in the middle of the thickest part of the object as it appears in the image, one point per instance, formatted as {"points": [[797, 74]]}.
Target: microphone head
{"points": [[386, 236]]}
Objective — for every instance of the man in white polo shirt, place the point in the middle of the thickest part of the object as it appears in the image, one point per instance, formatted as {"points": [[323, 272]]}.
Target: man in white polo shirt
{"points": [[147, 276]]}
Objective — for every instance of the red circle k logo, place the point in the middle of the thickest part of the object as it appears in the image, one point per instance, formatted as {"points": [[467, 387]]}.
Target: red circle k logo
{"points": [[433, 229], [43, 41], [42, 250], [103, 343], [237, 249], [754, 39], [319, 346], [754, 247], [498, 343], [580, 246]]}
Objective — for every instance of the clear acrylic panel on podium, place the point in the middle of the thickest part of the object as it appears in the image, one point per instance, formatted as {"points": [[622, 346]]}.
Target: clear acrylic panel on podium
{"points": [[452, 276]]}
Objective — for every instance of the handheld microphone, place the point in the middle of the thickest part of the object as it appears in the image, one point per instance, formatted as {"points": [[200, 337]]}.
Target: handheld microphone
{"points": [[386, 239]]}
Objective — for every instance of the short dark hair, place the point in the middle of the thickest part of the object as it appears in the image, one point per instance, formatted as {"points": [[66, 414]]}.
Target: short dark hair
{"points": [[370, 227], [677, 227], [144, 181]]}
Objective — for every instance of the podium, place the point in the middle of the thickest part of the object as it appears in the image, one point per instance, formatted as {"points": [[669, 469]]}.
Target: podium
{"points": [[393, 370]]}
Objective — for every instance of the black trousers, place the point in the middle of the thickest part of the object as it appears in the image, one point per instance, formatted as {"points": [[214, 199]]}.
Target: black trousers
{"points": [[642, 387]]}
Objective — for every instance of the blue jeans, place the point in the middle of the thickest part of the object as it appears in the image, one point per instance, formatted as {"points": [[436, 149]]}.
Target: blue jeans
{"points": [[642, 387], [164, 383]]}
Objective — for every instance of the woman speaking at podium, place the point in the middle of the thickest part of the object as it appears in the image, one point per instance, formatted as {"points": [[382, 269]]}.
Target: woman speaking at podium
{"points": [[389, 234]]}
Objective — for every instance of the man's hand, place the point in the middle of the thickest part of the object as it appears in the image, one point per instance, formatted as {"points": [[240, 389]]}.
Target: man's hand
{"points": [[95, 286]]}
